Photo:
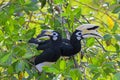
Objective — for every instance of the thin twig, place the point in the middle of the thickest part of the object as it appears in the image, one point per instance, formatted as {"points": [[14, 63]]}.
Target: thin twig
{"points": [[104, 48], [2, 2], [96, 9], [101, 45], [67, 33], [85, 18], [75, 62], [30, 17], [98, 40], [78, 21], [5, 5]]}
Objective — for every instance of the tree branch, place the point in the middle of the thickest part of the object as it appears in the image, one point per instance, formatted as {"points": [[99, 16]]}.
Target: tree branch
{"points": [[2, 2], [98, 10], [85, 18], [5, 5]]}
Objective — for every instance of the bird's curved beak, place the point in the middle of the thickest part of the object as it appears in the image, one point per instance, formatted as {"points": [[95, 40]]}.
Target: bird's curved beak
{"points": [[89, 30], [45, 33]]}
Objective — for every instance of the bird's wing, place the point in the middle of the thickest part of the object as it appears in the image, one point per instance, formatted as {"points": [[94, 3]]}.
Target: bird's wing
{"points": [[66, 48], [44, 45], [49, 55], [66, 41]]}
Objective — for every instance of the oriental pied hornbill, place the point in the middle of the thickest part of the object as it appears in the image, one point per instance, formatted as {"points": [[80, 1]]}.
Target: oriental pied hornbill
{"points": [[51, 53], [72, 46]]}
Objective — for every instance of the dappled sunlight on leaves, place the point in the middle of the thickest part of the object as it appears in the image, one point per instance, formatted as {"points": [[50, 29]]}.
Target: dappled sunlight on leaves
{"points": [[20, 20]]}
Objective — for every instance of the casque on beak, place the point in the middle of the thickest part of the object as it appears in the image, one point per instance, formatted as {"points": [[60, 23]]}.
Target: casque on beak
{"points": [[89, 30], [45, 34]]}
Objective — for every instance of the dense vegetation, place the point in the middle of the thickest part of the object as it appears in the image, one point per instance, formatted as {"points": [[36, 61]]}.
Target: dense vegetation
{"points": [[22, 19]]}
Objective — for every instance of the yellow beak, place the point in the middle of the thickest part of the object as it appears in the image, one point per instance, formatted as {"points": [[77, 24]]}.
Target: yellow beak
{"points": [[45, 33], [89, 30]]}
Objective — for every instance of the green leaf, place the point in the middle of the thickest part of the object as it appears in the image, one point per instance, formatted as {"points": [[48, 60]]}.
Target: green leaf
{"points": [[93, 68], [10, 69], [1, 35], [21, 1], [31, 7], [57, 25], [77, 13], [20, 66], [115, 27], [96, 76], [28, 56], [68, 10], [107, 37], [9, 28], [11, 9], [109, 63], [119, 16], [118, 62], [62, 65], [117, 47], [116, 76], [30, 33], [117, 37], [5, 57], [116, 10], [50, 69], [75, 74], [90, 42], [21, 20], [58, 1], [108, 67], [43, 76]]}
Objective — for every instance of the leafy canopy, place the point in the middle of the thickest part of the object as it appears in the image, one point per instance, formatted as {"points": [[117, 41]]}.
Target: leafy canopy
{"points": [[22, 19]]}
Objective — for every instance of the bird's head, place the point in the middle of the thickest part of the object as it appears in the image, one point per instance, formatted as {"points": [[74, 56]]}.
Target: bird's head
{"points": [[54, 35], [87, 30]]}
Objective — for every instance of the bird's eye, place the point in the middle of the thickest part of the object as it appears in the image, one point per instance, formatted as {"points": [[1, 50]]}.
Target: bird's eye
{"points": [[55, 34], [78, 33]]}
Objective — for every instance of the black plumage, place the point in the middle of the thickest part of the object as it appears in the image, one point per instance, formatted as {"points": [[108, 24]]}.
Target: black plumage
{"points": [[41, 45], [73, 46], [68, 47], [50, 53]]}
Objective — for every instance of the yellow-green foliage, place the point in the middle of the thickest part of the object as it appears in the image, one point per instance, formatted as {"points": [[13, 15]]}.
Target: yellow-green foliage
{"points": [[21, 20]]}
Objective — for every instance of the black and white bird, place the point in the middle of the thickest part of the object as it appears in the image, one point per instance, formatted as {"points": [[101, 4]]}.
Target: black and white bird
{"points": [[66, 47], [72, 46], [52, 52]]}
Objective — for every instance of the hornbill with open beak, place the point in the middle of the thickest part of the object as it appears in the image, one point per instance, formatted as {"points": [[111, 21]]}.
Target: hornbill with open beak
{"points": [[72, 46], [51, 53]]}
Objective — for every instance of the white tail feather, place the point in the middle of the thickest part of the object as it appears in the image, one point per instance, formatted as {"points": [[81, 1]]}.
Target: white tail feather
{"points": [[40, 66]]}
